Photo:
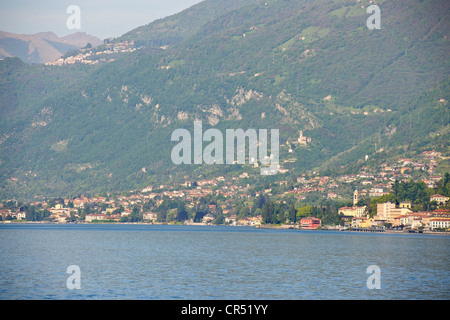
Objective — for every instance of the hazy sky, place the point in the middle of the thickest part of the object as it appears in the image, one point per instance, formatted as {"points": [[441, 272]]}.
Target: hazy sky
{"points": [[101, 18]]}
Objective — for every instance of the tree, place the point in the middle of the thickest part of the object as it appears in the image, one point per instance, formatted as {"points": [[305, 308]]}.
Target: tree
{"points": [[261, 201], [265, 214], [243, 212], [72, 217], [443, 187], [395, 188], [182, 215], [220, 219], [30, 214], [119, 210], [135, 215], [304, 211], [292, 213], [199, 216], [161, 216], [148, 205]]}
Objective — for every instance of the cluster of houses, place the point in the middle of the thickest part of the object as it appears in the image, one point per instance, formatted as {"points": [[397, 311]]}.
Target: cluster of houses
{"points": [[64, 212], [91, 57], [400, 216], [370, 182]]}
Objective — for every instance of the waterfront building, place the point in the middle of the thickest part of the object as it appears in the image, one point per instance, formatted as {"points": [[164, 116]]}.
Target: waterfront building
{"points": [[92, 217], [439, 223], [387, 211], [310, 223]]}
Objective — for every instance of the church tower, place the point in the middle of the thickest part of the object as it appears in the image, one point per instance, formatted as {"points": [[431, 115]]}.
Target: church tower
{"points": [[355, 197]]}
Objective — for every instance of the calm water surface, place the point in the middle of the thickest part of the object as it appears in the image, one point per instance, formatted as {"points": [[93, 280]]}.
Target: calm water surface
{"points": [[211, 262]]}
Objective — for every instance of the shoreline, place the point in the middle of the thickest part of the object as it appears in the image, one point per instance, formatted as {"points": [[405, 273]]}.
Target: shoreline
{"points": [[276, 227]]}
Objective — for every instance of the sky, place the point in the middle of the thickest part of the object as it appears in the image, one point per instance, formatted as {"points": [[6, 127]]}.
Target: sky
{"points": [[100, 18]]}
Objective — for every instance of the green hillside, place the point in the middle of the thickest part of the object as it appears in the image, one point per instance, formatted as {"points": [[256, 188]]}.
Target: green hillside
{"points": [[290, 65]]}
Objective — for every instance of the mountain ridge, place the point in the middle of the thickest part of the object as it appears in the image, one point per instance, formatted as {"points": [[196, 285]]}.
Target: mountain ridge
{"points": [[310, 66], [42, 47]]}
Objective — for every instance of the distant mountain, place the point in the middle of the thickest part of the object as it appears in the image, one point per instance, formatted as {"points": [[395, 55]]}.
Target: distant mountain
{"points": [[287, 64], [43, 46]]}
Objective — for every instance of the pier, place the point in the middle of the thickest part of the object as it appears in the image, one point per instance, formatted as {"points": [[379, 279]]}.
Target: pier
{"points": [[368, 230]]}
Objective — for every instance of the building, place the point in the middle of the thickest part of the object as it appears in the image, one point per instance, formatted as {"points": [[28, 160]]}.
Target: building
{"points": [[147, 189], [80, 202], [440, 200], [332, 195], [366, 222], [414, 220], [384, 208], [377, 192], [231, 219], [387, 211], [310, 223], [208, 218], [150, 216], [404, 170], [439, 223], [359, 222], [355, 197], [302, 139], [249, 221], [352, 211], [20, 216], [92, 217], [62, 218], [441, 212], [405, 204]]}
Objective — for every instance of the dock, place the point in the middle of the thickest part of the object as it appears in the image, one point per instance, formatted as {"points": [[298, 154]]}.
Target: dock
{"points": [[368, 230]]}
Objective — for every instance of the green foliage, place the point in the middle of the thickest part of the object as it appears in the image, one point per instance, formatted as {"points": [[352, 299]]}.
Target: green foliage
{"points": [[415, 192], [79, 129], [35, 214]]}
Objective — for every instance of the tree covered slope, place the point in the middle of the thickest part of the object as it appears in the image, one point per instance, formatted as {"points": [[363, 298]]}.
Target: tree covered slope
{"points": [[281, 64]]}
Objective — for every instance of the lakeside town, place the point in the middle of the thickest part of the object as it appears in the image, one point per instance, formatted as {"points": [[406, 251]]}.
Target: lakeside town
{"points": [[359, 202]]}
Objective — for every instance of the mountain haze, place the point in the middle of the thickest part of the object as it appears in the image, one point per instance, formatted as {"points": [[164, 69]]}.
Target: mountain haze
{"points": [[284, 64], [43, 46]]}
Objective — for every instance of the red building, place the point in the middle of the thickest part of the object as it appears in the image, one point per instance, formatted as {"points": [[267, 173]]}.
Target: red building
{"points": [[310, 223]]}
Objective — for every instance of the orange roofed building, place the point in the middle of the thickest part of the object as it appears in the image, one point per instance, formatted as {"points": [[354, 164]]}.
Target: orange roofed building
{"points": [[310, 223]]}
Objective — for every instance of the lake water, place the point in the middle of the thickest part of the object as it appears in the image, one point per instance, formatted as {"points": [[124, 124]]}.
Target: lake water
{"points": [[217, 262]]}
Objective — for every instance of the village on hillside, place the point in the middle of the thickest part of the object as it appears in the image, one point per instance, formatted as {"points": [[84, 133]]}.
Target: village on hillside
{"points": [[232, 201], [93, 56]]}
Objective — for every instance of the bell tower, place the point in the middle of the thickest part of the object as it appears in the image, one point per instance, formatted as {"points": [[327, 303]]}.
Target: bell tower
{"points": [[355, 197]]}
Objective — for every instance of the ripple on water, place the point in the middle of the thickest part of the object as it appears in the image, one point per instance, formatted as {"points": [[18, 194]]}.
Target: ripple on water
{"points": [[161, 262]]}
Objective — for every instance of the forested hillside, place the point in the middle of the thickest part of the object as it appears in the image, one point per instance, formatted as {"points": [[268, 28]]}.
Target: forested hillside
{"points": [[284, 64]]}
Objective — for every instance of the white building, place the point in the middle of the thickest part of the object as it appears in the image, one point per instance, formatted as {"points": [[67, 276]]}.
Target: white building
{"points": [[150, 216], [439, 223]]}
